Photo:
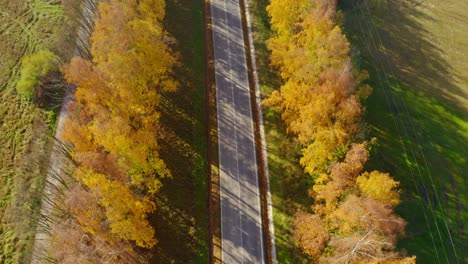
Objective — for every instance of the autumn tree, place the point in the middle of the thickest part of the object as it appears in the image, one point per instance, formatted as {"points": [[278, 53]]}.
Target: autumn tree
{"points": [[379, 186], [113, 125], [318, 100], [33, 68], [310, 234], [357, 210], [366, 229], [73, 245], [125, 213], [328, 188], [320, 103], [84, 206], [121, 89]]}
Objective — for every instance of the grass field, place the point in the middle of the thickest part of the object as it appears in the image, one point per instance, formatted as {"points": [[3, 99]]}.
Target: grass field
{"points": [[25, 27], [416, 54], [182, 214], [288, 184]]}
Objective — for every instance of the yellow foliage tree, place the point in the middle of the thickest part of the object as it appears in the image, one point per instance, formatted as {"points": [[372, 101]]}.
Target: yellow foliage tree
{"points": [[379, 186], [317, 100], [328, 188], [310, 233], [114, 122], [120, 92], [320, 104], [84, 205], [125, 213]]}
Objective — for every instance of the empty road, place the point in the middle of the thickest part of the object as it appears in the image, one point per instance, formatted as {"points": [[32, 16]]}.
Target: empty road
{"points": [[241, 223]]}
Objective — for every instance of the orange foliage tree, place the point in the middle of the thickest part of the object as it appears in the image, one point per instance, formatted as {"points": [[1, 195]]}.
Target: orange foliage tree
{"points": [[113, 124], [320, 102]]}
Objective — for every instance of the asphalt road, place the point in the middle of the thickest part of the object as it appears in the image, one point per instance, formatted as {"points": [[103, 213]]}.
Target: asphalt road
{"points": [[241, 228]]}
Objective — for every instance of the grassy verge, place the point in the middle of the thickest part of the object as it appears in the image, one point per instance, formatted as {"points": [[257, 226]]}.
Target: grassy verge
{"points": [[182, 217], [418, 114], [25, 27], [288, 184], [212, 137]]}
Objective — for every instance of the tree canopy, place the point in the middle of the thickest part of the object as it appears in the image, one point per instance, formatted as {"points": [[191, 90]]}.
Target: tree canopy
{"points": [[33, 68], [113, 125], [320, 101]]}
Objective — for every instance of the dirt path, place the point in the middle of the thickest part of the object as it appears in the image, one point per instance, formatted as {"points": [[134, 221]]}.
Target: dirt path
{"points": [[58, 160]]}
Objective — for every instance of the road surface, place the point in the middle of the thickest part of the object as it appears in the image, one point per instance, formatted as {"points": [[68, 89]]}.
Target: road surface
{"points": [[241, 223]]}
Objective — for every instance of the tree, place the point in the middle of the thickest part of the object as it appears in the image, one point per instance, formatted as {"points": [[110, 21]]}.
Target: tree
{"points": [[84, 206], [125, 213], [121, 90], [317, 101], [103, 163], [320, 103], [328, 188], [33, 68], [73, 245], [114, 125], [379, 186], [285, 15], [310, 234], [366, 229], [76, 131]]}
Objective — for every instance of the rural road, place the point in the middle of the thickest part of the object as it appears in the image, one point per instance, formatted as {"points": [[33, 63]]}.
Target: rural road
{"points": [[241, 222]]}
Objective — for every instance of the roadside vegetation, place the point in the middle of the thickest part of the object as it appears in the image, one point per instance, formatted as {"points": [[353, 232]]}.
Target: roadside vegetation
{"points": [[113, 127], [288, 183], [137, 191], [126, 187], [437, 112], [351, 218], [26, 27]]}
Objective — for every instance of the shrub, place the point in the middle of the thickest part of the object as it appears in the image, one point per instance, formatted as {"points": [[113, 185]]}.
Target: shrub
{"points": [[33, 68]]}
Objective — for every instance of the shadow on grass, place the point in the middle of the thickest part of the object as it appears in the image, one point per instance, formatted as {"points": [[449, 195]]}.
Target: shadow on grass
{"points": [[181, 218], [406, 46], [420, 125]]}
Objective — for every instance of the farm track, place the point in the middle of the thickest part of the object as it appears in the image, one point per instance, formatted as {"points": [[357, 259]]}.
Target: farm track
{"points": [[58, 159]]}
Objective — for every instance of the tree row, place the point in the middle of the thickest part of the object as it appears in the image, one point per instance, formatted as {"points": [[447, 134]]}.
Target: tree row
{"points": [[113, 126], [351, 218]]}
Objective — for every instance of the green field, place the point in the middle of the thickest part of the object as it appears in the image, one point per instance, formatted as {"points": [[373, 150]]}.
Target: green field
{"points": [[415, 54], [25, 27], [181, 220]]}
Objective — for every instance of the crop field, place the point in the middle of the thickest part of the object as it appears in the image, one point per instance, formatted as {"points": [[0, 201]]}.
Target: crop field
{"points": [[25, 27], [416, 53]]}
